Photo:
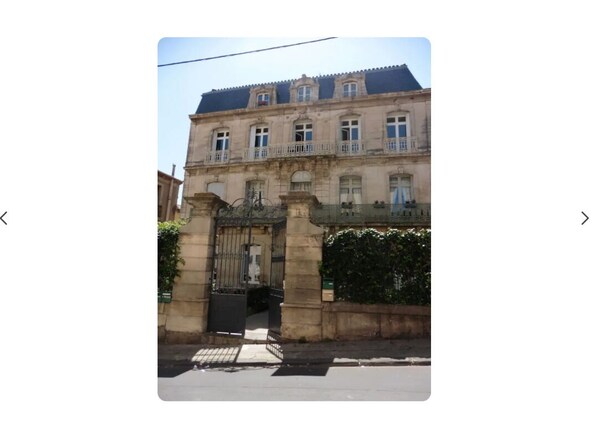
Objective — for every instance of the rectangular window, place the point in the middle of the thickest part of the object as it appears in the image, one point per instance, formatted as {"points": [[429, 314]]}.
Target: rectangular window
{"points": [[221, 141], [255, 190], [263, 99], [261, 137], [350, 190], [303, 132], [396, 129], [350, 130], [349, 89], [303, 93], [400, 190]]}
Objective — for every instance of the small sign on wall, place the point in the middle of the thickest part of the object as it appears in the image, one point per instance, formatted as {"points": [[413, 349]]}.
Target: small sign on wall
{"points": [[327, 295]]}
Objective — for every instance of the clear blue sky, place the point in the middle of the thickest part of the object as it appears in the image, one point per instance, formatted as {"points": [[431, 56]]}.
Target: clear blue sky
{"points": [[180, 86]]}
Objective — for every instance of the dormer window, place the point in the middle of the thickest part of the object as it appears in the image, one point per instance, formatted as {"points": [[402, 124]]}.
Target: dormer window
{"points": [[350, 89], [305, 89], [263, 99], [303, 94], [350, 85]]}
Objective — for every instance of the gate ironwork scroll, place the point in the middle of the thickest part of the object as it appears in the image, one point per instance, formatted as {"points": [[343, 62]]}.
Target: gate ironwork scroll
{"points": [[237, 261]]}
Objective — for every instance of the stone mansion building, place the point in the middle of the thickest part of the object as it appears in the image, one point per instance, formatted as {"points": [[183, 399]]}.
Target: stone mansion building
{"points": [[358, 141], [272, 169]]}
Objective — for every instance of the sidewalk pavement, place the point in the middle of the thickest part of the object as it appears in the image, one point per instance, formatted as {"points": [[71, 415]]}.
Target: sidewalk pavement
{"points": [[332, 353]]}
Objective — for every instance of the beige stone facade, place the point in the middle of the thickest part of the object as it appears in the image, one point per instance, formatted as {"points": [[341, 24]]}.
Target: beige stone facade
{"points": [[373, 159]]}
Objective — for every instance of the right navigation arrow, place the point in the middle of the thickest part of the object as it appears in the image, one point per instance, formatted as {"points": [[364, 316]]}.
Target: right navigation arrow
{"points": [[587, 218]]}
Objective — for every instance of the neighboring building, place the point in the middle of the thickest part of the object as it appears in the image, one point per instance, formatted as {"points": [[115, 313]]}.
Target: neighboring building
{"points": [[359, 141], [168, 193]]}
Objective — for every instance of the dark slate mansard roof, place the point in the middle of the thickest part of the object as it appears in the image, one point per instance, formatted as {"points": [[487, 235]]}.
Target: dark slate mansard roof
{"points": [[377, 80]]}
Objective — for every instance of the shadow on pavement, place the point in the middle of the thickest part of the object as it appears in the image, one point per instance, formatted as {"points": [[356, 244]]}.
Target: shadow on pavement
{"points": [[319, 370], [171, 371]]}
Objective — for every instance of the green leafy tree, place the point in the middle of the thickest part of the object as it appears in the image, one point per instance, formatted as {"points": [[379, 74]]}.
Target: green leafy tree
{"points": [[168, 254]]}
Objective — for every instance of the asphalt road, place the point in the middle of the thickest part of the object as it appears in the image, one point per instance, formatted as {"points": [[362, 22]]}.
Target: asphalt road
{"points": [[310, 383]]}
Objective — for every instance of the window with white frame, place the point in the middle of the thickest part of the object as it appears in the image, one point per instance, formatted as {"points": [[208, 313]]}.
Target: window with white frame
{"points": [[349, 89], [255, 190], [220, 145], [303, 94], [263, 99], [397, 131], [350, 190], [261, 137], [303, 131], [258, 144], [301, 181], [401, 191], [350, 129]]}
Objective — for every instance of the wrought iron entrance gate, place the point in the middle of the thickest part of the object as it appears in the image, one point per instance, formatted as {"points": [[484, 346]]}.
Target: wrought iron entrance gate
{"points": [[239, 263], [277, 277]]}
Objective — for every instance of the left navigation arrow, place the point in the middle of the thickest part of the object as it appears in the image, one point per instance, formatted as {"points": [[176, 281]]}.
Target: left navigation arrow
{"points": [[2, 218]]}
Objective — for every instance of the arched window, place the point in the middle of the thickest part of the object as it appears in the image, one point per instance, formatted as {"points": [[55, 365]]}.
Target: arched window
{"points": [[301, 181]]}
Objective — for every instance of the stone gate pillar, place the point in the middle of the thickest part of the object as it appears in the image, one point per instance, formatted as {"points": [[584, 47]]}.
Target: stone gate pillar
{"points": [[302, 307], [187, 314]]}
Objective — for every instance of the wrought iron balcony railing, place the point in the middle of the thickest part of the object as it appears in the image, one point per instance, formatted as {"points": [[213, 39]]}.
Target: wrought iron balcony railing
{"points": [[372, 214]]}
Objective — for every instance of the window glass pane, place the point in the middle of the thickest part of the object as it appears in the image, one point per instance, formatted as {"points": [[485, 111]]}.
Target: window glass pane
{"points": [[345, 134], [345, 123], [354, 122], [402, 130], [308, 136], [401, 119], [390, 120], [265, 141], [265, 130], [354, 134], [308, 126], [390, 131]]}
